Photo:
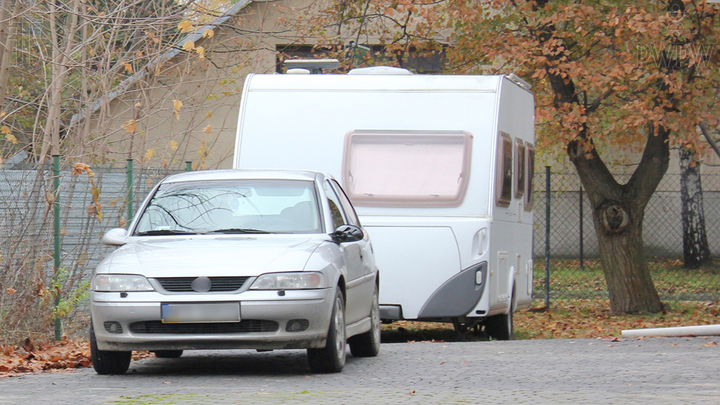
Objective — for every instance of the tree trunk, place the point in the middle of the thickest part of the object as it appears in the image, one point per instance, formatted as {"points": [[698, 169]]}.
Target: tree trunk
{"points": [[696, 250], [618, 226], [59, 69], [8, 38], [618, 212]]}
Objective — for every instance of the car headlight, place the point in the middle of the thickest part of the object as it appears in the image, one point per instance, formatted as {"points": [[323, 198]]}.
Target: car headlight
{"points": [[289, 281], [120, 282]]}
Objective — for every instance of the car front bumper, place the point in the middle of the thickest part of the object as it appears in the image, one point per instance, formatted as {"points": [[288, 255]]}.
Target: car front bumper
{"points": [[265, 318]]}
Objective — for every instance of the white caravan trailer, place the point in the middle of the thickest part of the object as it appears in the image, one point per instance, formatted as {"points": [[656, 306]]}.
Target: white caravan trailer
{"points": [[439, 169]]}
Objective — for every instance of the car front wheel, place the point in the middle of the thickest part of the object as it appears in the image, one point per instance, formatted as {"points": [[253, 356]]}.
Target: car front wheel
{"points": [[331, 358], [107, 362]]}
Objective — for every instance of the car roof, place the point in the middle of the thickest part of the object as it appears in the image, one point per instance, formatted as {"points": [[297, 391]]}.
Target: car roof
{"points": [[243, 174]]}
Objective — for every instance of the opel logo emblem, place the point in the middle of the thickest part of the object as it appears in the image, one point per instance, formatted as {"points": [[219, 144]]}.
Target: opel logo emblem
{"points": [[201, 284]]}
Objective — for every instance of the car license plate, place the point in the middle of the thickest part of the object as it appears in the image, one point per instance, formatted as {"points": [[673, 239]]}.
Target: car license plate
{"points": [[200, 313]]}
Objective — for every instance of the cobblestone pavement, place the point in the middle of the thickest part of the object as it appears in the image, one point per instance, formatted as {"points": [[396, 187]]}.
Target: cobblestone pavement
{"points": [[657, 371]]}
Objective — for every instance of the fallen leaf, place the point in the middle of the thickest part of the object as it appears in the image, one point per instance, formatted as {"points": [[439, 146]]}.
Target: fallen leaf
{"points": [[29, 346]]}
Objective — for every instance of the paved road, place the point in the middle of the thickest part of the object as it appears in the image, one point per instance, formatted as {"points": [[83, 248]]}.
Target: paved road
{"points": [[657, 371]]}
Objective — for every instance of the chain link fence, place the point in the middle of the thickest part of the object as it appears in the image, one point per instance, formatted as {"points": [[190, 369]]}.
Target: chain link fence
{"points": [[575, 271], [29, 285], [31, 291]]}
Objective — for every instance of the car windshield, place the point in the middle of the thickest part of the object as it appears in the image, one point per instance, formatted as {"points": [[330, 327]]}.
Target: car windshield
{"points": [[231, 207]]}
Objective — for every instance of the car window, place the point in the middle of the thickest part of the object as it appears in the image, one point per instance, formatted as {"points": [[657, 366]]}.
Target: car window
{"points": [[232, 206], [338, 216], [346, 204]]}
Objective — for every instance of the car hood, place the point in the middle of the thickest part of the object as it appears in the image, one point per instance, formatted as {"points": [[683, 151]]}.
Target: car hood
{"points": [[212, 256]]}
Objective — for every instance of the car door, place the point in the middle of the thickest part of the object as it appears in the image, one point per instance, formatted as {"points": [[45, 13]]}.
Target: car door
{"points": [[366, 284], [354, 259]]}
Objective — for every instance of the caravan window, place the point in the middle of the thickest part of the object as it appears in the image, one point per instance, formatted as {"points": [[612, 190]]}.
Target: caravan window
{"points": [[503, 182], [530, 173], [414, 168], [519, 176]]}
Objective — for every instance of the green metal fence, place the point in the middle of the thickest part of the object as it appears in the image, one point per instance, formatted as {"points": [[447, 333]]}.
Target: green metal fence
{"points": [[37, 286], [50, 225], [565, 241]]}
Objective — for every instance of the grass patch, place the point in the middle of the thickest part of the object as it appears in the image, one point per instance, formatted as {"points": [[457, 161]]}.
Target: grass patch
{"points": [[672, 280]]}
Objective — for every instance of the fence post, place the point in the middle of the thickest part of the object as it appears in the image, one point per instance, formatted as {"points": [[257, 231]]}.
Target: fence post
{"points": [[188, 166], [56, 239], [547, 237], [129, 173], [582, 265]]}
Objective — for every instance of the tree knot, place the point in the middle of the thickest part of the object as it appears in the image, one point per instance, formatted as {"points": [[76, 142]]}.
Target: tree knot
{"points": [[614, 217]]}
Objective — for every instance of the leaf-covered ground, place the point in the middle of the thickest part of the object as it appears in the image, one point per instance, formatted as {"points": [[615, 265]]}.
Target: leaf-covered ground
{"points": [[49, 356], [568, 319], [33, 358], [592, 318]]}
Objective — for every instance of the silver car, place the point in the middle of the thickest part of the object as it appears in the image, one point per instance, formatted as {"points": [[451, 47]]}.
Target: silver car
{"points": [[233, 259]]}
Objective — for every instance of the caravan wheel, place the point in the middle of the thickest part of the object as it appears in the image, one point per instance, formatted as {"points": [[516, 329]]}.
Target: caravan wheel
{"points": [[500, 327]]}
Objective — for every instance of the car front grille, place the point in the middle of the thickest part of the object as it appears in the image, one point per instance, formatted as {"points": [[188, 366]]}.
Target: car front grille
{"points": [[245, 326], [184, 284]]}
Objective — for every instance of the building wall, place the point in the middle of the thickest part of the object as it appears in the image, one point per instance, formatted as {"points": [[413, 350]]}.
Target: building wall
{"points": [[144, 124]]}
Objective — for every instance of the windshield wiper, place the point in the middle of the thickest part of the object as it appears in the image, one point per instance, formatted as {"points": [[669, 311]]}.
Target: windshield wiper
{"points": [[164, 232], [238, 230]]}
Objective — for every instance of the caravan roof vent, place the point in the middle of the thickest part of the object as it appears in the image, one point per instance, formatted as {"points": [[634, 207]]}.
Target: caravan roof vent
{"points": [[313, 65], [520, 82], [380, 70], [298, 71]]}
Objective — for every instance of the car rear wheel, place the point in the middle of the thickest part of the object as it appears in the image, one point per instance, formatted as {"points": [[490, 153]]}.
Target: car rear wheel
{"points": [[368, 343], [168, 354], [331, 358], [107, 362]]}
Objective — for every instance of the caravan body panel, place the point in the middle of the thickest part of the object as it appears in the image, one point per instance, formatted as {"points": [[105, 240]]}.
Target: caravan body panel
{"points": [[422, 242]]}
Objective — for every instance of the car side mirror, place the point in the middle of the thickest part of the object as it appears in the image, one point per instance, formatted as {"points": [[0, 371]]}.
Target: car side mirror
{"points": [[347, 233], [115, 237]]}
